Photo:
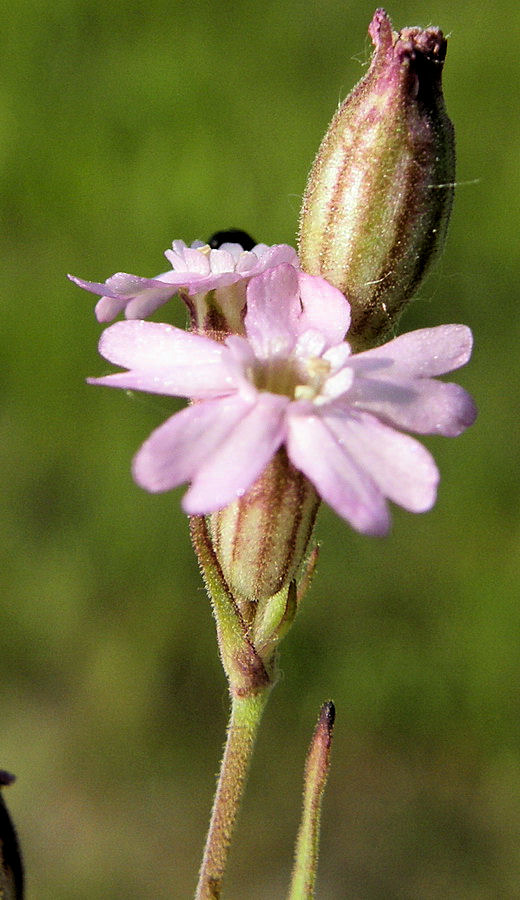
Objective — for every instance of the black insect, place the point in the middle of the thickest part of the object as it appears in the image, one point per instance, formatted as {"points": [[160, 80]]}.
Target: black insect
{"points": [[233, 236]]}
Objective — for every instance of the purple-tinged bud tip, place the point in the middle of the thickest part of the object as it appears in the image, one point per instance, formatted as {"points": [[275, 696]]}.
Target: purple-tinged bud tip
{"points": [[328, 715]]}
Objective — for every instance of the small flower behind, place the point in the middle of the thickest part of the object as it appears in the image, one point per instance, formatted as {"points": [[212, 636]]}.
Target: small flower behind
{"points": [[290, 381], [196, 272]]}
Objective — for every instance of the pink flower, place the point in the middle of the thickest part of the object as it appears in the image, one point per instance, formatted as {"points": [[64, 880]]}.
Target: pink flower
{"points": [[292, 381], [196, 270]]}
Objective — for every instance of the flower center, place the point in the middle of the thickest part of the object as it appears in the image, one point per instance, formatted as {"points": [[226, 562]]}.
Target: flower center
{"points": [[318, 370], [299, 379]]}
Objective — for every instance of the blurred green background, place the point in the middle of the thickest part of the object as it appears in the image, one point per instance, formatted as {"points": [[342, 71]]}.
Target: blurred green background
{"points": [[124, 126]]}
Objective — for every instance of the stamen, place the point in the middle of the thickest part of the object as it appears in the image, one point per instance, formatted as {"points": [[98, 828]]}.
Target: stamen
{"points": [[317, 367], [304, 392]]}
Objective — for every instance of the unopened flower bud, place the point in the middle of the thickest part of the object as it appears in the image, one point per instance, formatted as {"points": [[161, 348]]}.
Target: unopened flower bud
{"points": [[380, 192], [261, 539], [11, 868]]}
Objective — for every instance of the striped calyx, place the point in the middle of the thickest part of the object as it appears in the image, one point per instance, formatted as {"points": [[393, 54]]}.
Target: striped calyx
{"points": [[379, 195], [217, 313], [261, 539]]}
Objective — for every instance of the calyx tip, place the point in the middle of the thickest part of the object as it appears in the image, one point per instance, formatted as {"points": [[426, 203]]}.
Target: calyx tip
{"points": [[380, 30]]}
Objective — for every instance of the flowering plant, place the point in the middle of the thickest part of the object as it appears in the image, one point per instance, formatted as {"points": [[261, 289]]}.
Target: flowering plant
{"points": [[294, 396]]}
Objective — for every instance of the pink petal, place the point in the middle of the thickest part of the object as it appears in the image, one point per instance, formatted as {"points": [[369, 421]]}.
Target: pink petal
{"points": [[315, 450], [245, 260], [276, 255], [175, 450], [240, 458], [108, 308], [155, 345], [97, 287], [324, 308], [273, 306], [198, 384], [211, 282], [221, 261], [150, 293], [415, 404], [241, 361], [165, 360], [426, 352], [236, 251], [402, 468], [188, 261]]}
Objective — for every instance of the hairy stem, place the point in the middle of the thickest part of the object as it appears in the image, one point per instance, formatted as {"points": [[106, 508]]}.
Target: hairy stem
{"points": [[246, 713]]}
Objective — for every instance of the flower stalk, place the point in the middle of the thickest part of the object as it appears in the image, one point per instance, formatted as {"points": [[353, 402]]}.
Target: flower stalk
{"points": [[248, 659], [246, 713]]}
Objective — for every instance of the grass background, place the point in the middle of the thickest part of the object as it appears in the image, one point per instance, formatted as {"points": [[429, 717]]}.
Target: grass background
{"points": [[122, 127]]}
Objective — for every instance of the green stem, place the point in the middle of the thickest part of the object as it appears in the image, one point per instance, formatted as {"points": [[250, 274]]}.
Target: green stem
{"points": [[246, 713], [316, 772]]}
